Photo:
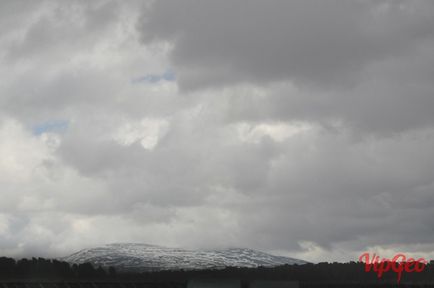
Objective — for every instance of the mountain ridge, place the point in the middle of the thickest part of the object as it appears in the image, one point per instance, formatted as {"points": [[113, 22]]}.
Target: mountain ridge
{"points": [[138, 257]]}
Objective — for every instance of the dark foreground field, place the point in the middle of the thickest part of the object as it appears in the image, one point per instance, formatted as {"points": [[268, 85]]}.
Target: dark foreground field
{"points": [[195, 283]]}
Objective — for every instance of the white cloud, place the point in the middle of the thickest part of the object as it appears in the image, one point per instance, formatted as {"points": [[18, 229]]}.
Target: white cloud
{"points": [[277, 131], [147, 131]]}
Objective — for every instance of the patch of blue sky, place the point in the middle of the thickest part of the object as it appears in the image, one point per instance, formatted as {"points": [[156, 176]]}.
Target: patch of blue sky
{"points": [[53, 126], [168, 75]]}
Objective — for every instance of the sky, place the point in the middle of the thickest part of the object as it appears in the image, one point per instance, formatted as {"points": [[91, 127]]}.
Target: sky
{"points": [[301, 128]]}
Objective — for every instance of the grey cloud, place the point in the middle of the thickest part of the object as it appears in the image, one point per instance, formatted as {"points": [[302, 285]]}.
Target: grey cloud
{"points": [[57, 29], [318, 42], [350, 198], [288, 123], [364, 63]]}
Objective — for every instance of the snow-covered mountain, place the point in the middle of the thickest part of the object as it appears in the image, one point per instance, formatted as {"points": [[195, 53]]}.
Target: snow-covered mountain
{"points": [[144, 257]]}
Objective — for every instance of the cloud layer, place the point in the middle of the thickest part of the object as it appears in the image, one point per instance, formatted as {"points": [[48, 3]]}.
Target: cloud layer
{"points": [[296, 127]]}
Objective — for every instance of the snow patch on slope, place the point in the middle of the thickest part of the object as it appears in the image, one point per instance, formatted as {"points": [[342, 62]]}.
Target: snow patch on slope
{"points": [[144, 257]]}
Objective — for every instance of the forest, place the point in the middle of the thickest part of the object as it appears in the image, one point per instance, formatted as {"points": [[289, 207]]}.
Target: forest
{"points": [[351, 274]]}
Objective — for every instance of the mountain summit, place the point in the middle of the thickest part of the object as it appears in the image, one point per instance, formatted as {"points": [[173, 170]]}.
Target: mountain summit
{"points": [[144, 257]]}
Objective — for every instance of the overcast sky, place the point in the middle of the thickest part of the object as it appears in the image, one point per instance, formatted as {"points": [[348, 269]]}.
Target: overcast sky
{"points": [[302, 128]]}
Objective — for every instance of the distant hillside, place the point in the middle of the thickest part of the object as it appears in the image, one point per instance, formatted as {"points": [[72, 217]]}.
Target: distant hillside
{"points": [[143, 257]]}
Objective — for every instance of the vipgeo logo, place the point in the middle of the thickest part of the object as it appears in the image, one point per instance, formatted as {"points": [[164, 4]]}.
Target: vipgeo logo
{"points": [[399, 264]]}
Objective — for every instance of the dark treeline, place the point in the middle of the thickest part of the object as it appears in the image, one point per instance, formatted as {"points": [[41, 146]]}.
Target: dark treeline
{"points": [[307, 273], [310, 275], [40, 268]]}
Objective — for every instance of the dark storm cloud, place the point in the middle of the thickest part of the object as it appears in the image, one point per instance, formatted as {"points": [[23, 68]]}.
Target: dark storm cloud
{"points": [[318, 42], [343, 55]]}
